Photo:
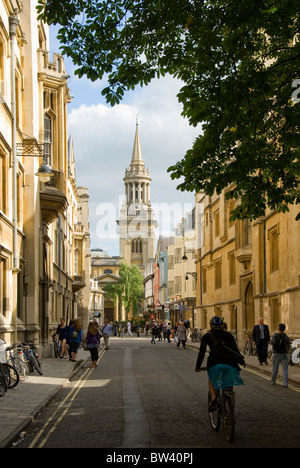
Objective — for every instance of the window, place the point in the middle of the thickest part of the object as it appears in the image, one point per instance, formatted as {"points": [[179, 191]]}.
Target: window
{"points": [[178, 256], [77, 258], [274, 249], [3, 287], [231, 207], [137, 246], [178, 285], [218, 276], [217, 223], [1, 66], [3, 183], [204, 280], [231, 260], [48, 138]]}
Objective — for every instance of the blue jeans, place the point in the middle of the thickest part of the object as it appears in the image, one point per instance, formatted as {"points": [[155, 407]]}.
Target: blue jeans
{"points": [[284, 360]]}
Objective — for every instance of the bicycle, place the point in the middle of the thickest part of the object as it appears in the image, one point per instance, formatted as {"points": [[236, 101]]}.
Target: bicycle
{"points": [[17, 362], [196, 336], [32, 357], [224, 413], [3, 386], [11, 375], [250, 347], [57, 345], [8, 372]]}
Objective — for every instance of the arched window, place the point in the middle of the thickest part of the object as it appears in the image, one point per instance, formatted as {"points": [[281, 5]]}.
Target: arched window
{"points": [[137, 246], [48, 138]]}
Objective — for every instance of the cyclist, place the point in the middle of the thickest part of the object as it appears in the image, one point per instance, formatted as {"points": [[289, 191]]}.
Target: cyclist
{"points": [[223, 361]]}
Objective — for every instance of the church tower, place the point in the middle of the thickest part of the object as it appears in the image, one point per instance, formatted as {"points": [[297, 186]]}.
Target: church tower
{"points": [[137, 224]]}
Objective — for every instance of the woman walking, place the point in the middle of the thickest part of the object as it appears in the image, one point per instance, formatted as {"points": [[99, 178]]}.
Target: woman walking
{"points": [[93, 342], [75, 337], [62, 332], [181, 335]]}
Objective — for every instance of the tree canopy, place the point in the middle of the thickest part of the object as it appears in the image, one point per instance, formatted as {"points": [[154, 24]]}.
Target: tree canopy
{"points": [[239, 62], [129, 289]]}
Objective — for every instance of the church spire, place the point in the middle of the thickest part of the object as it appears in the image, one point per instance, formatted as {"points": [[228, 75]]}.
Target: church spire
{"points": [[137, 157]]}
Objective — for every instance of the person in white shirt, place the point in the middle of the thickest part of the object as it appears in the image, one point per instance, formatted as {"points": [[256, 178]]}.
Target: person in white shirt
{"points": [[129, 332]]}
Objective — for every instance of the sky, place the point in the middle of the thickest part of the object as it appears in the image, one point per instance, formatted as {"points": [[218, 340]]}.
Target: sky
{"points": [[103, 139]]}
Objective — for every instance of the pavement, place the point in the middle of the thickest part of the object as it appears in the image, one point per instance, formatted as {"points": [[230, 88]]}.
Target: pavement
{"points": [[21, 405]]}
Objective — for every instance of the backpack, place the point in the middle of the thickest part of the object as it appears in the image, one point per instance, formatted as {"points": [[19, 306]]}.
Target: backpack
{"points": [[279, 343], [74, 335], [223, 351]]}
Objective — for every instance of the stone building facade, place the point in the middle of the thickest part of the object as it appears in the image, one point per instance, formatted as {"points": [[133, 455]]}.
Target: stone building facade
{"points": [[247, 270], [39, 198]]}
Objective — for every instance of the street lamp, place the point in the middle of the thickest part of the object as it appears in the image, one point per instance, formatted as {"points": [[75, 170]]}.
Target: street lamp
{"points": [[34, 149], [193, 274], [45, 172]]}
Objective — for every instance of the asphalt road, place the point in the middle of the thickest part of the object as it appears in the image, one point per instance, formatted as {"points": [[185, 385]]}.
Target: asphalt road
{"points": [[143, 395]]}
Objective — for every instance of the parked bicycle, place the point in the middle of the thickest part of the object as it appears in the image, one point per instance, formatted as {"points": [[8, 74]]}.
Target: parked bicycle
{"points": [[3, 386], [11, 375], [250, 346], [295, 352], [31, 356], [57, 345], [196, 335], [17, 359], [224, 413]]}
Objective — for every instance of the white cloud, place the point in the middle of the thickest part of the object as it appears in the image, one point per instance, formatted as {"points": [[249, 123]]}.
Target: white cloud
{"points": [[103, 143]]}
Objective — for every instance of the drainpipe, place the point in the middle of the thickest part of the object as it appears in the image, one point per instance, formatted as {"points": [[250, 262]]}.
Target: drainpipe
{"points": [[13, 25]]}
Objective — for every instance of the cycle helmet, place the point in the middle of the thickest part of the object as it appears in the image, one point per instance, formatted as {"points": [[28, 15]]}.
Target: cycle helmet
{"points": [[216, 322]]}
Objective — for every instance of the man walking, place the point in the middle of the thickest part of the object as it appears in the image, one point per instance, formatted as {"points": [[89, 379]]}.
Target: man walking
{"points": [[261, 337], [106, 331], [281, 346]]}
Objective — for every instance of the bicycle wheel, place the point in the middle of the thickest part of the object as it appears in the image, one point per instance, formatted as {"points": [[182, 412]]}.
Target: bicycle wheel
{"points": [[11, 375], [214, 416], [20, 366], [3, 386], [228, 418], [35, 364], [247, 348]]}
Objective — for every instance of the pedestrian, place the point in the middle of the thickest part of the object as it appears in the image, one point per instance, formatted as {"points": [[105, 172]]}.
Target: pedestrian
{"points": [[62, 332], [93, 342], [75, 338], [281, 345], [160, 331], [261, 337], [153, 333], [106, 332], [181, 335], [129, 329], [164, 330], [168, 332]]}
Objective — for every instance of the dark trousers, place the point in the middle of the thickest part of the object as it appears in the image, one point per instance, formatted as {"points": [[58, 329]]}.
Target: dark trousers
{"points": [[94, 354], [262, 350], [183, 343]]}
